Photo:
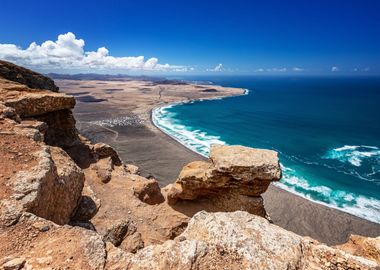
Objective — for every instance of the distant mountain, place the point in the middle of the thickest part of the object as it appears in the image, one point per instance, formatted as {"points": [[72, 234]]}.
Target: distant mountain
{"points": [[118, 77], [103, 77]]}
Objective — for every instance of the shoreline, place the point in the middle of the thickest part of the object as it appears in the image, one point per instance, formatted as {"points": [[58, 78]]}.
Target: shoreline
{"points": [[154, 122], [277, 191], [161, 156]]}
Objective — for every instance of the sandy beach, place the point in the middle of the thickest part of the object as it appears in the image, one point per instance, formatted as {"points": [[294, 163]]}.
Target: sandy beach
{"points": [[118, 113]]}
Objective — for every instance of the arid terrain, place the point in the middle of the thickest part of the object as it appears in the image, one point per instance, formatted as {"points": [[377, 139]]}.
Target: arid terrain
{"points": [[71, 203], [118, 113]]}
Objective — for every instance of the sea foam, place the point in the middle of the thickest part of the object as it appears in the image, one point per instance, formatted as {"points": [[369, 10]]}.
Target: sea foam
{"points": [[354, 154], [349, 202], [195, 140], [358, 205]]}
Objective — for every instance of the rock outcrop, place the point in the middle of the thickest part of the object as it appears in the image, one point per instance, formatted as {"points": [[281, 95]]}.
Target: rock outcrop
{"points": [[36, 178], [66, 203], [233, 180], [53, 109], [25, 76], [42, 244], [236, 240]]}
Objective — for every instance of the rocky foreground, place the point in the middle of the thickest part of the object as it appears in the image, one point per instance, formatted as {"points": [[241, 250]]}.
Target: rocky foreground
{"points": [[69, 204]]}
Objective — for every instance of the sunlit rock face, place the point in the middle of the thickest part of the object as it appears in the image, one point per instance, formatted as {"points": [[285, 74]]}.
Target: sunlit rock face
{"points": [[233, 179]]}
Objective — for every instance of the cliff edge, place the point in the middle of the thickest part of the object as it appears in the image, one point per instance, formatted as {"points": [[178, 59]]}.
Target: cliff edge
{"points": [[68, 203]]}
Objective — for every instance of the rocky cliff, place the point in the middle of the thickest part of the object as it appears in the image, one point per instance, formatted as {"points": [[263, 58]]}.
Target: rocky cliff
{"points": [[67, 203], [25, 76]]}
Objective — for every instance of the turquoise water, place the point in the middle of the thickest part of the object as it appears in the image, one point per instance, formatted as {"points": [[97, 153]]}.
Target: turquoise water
{"points": [[326, 130]]}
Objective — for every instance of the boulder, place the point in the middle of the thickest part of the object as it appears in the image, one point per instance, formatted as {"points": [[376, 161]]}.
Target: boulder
{"points": [[253, 167], [103, 169], [88, 205], [66, 189], [102, 150], [247, 171], [132, 243], [233, 180], [118, 231], [147, 190], [14, 264]]}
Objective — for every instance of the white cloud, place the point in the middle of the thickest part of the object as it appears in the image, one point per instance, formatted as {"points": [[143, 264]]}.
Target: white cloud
{"points": [[297, 69], [334, 69], [217, 68], [67, 52], [277, 69]]}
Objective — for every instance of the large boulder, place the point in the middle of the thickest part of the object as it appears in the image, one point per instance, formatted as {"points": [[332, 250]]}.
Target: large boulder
{"points": [[253, 168], [233, 180], [147, 190], [247, 171]]}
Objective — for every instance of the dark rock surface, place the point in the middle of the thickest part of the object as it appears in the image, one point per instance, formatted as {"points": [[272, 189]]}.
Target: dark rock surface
{"points": [[25, 76]]}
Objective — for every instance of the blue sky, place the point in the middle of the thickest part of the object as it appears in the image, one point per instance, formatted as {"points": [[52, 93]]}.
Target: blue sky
{"points": [[237, 37]]}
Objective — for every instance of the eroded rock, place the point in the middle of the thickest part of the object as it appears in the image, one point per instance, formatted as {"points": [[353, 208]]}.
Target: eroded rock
{"points": [[37, 178], [133, 169], [148, 191], [102, 150], [232, 180], [59, 247], [132, 243], [366, 247], [26, 76], [240, 240], [118, 231], [14, 264], [103, 169], [88, 205]]}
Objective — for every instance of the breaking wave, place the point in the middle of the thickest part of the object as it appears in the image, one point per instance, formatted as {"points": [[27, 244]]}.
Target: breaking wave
{"points": [[196, 140], [355, 154], [358, 205]]}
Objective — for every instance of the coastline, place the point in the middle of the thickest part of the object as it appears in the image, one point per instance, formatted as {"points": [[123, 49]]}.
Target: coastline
{"points": [[277, 202], [154, 122], [163, 157], [306, 217]]}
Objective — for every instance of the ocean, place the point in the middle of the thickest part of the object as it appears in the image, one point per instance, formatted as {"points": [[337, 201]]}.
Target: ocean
{"points": [[325, 129]]}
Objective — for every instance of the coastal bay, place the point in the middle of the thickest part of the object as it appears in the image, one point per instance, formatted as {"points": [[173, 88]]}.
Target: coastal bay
{"points": [[118, 113]]}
